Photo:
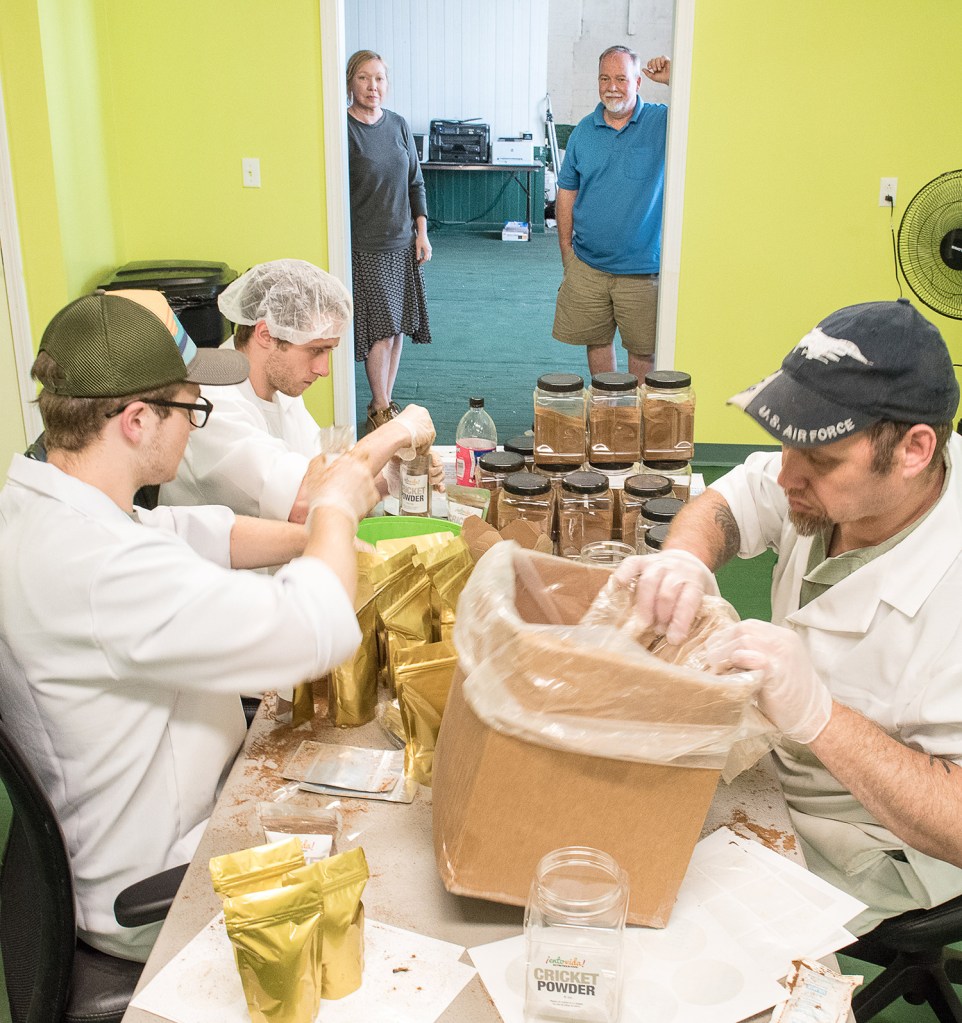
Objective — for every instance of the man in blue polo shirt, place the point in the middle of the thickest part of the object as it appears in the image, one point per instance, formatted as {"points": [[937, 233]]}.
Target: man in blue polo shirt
{"points": [[609, 204]]}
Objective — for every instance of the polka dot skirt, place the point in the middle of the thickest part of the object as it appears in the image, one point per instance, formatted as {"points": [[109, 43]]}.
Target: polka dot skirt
{"points": [[389, 299]]}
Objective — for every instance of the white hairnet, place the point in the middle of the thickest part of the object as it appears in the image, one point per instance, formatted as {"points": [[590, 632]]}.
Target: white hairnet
{"points": [[298, 301]]}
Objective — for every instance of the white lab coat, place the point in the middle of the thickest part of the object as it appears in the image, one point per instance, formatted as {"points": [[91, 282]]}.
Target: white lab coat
{"points": [[131, 642], [251, 455], [887, 641]]}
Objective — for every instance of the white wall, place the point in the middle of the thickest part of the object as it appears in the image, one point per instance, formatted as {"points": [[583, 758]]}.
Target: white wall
{"points": [[578, 30], [459, 59]]}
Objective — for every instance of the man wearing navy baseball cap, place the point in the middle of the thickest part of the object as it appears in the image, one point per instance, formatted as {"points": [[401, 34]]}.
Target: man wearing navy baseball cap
{"points": [[862, 665]]}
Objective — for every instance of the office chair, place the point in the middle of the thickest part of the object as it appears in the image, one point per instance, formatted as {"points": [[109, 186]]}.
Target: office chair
{"points": [[917, 964], [51, 976]]}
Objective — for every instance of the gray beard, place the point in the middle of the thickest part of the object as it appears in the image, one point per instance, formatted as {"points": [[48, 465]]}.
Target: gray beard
{"points": [[809, 525]]}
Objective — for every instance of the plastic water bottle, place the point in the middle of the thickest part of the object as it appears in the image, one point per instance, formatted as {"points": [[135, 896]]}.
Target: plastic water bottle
{"points": [[476, 436]]}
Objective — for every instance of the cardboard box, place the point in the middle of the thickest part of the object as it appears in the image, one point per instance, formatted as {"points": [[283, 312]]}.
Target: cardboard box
{"points": [[502, 802], [515, 231]]}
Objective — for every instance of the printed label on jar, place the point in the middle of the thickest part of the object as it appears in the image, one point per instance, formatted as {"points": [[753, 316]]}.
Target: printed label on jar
{"points": [[571, 984], [414, 495], [466, 459]]}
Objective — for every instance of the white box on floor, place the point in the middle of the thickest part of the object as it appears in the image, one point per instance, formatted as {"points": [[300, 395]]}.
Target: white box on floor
{"points": [[515, 231]]}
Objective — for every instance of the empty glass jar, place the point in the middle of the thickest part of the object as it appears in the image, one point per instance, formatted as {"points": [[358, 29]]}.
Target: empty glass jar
{"points": [[574, 927]]}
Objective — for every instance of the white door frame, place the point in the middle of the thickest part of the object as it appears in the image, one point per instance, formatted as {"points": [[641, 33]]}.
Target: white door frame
{"points": [[336, 190], [675, 161], [333, 69], [15, 286]]}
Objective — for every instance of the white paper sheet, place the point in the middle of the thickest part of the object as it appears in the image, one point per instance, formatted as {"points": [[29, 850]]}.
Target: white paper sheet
{"points": [[742, 914], [408, 978]]}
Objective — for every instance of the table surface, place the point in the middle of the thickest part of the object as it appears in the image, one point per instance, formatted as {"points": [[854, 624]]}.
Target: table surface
{"points": [[404, 888]]}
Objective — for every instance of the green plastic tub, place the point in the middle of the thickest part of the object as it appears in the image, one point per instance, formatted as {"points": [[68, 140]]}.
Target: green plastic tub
{"points": [[390, 527]]}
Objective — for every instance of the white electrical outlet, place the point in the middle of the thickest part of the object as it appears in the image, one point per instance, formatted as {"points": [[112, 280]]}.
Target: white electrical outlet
{"points": [[252, 171], [888, 187]]}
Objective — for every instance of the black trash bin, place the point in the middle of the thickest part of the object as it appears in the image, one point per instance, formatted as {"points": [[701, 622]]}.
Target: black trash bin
{"points": [[190, 286]]}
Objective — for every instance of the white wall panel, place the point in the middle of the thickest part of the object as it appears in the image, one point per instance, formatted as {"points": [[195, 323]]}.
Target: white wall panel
{"points": [[459, 59]]}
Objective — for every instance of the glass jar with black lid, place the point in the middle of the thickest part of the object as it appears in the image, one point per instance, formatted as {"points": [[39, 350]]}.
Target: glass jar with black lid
{"points": [[559, 420], [614, 419], [639, 488], [584, 512], [491, 472]]}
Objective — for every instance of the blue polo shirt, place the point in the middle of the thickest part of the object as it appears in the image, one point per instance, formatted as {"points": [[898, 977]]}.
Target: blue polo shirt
{"points": [[620, 180]]}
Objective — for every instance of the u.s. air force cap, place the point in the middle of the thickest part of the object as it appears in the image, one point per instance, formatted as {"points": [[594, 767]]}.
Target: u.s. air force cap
{"points": [[861, 364]]}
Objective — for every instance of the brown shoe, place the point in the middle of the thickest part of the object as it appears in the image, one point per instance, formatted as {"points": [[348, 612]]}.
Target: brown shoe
{"points": [[378, 417]]}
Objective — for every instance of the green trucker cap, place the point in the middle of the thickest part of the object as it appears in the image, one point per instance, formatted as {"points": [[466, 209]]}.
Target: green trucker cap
{"points": [[116, 343]]}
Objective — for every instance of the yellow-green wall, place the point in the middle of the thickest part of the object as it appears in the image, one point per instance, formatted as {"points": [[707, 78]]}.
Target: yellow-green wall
{"points": [[797, 110], [127, 123]]}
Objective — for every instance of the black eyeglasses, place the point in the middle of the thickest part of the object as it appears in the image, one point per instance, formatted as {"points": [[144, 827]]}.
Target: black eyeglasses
{"points": [[197, 412]]}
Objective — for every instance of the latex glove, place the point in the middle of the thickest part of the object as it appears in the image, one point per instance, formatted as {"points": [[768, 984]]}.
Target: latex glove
{"points": [[669, 587], [436, 473], [346, 484], [392, 473], [417, 421], [792, 697]]}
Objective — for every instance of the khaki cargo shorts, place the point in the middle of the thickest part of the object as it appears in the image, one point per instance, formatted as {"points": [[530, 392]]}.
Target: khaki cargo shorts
{"points": [[592, 303]]}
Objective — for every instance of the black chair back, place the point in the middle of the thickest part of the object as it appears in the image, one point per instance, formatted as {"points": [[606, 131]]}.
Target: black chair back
{"points": [[37, 924]]}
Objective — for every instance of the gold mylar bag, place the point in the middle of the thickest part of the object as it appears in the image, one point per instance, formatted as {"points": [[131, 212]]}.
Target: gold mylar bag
{"points": [[253, 870], [276, 936], [407, 612], [353, 684], [342, 880], [423, 675]]}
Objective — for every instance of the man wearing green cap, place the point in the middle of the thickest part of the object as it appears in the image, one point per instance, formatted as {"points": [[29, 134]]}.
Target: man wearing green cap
{"points": [[125, 638], [862, 667]]}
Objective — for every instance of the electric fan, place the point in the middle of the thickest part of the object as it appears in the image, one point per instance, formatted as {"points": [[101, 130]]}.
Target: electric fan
{"points": [[930, 244]]}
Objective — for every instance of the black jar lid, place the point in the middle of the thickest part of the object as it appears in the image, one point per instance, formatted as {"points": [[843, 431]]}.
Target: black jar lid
{"points": [[663, 466], [502, 461], [527, 484], [585, 483], [609, 468], [560, 383], [523, 444], [648, 485], [615, 381], [661, 509], [656, 536], [668, 379]]}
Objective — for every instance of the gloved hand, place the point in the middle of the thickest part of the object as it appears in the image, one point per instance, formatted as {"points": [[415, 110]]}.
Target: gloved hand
{"points": [[668, 590], [417, 421], [346, 484], [392, 473], [436, 473], [792, 697]]}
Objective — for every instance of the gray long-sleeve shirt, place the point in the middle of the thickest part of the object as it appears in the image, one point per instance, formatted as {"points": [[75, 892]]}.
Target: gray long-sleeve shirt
{"points": [[387, 188]]}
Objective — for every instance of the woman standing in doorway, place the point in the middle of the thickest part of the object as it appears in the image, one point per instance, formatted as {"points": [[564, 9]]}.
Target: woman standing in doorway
{"points": [[389, 235]]}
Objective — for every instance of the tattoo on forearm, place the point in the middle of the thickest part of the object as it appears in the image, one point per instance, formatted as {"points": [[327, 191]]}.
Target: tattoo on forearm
{"points": [[728, 527], [945, 764]]}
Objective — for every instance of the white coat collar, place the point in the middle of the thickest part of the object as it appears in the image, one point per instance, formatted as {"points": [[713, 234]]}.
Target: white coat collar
{"points": [[903, 577], [47, 479]]}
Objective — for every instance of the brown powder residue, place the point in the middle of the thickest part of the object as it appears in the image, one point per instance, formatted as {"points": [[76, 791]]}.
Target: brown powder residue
{"points": [[772, 838]]}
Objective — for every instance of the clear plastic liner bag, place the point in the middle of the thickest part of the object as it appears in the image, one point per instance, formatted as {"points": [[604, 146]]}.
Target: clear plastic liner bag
{"points": [[534, 670]]}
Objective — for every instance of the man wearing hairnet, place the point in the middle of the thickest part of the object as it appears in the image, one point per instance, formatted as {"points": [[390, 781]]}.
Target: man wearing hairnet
{"points": [[254, 454]]}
